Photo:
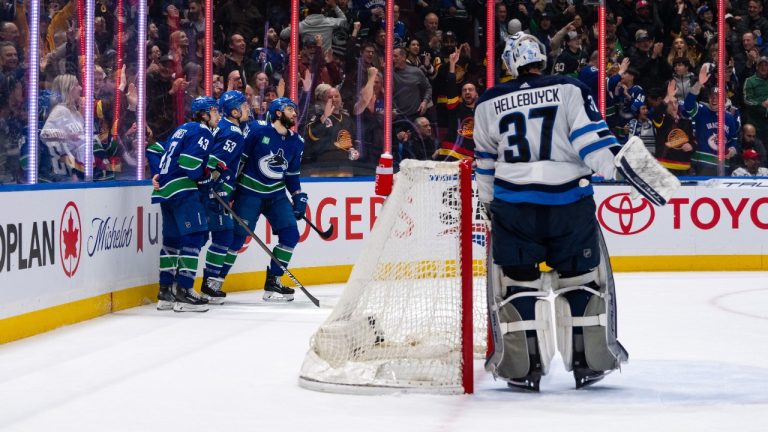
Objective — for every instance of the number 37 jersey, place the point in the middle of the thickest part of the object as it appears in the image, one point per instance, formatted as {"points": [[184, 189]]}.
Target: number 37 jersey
{"points": [[538, 139]]}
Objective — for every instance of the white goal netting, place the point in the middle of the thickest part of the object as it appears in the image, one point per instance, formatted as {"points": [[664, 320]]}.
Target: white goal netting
{"points": [[397, 325]]}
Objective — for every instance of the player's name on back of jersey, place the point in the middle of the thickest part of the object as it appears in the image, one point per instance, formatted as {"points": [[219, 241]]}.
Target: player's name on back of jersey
{"points": [[523, 98]]}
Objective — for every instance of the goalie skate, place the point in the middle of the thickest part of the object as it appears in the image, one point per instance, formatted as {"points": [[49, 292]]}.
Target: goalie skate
{"points": [[275, 292]]}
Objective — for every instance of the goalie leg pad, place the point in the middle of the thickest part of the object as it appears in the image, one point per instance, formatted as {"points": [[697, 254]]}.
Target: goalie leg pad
{"points": [[521, 322], [585, 314]]}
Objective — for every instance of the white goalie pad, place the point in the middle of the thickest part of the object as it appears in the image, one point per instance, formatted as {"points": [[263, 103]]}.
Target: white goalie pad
{"points": [[602, 349], [644, 173], [510, 357]]}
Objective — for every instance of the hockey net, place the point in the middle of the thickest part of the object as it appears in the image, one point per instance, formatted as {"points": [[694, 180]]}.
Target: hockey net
{"points": [[405, 320]]}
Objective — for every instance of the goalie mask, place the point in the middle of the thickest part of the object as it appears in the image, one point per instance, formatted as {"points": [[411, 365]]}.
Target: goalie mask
{"points": [[522, 49]]}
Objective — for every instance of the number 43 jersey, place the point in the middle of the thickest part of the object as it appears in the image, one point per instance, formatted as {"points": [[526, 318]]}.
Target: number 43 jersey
{"points": [[183, 161], [538, 139]]}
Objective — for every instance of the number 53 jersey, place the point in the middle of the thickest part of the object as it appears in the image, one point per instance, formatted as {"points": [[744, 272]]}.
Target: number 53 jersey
{"points": [[538, 139]]}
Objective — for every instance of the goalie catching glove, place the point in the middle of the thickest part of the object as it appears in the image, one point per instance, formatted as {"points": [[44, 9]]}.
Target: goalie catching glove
{"points": [[300, 205], [641, 170]]}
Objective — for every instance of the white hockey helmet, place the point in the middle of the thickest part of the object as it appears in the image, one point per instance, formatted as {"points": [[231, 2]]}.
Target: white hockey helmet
{"points": [[522, 49]]}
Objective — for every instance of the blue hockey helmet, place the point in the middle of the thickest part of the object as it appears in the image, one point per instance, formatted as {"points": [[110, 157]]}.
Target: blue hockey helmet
{"points": [[279, 104], [204, 103], [231, 100]]}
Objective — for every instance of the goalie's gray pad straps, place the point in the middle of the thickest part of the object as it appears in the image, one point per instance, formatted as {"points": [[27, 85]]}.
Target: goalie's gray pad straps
{"points": [[511, 356], [644, 172], [602, 349]]}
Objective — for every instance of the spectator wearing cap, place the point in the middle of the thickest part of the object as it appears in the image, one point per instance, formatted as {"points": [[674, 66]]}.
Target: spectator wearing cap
{"points": [[683, 77], [646, 57], [542, 28], [626, 97], [750, 140], [674, 135], [570, 61], [318, 24], [707, 22], [705, 118], [753, 20], [751, 166], [643, 20], [756, 98]]}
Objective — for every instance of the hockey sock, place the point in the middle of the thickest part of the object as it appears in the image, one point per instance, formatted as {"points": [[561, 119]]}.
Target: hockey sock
{"points": [[288, 237], [234, 248], [169, 260], [190, 251], [217, 252]]}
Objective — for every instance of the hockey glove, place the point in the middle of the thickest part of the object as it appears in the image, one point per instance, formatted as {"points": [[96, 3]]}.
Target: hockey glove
{"points": [[300, 205]]}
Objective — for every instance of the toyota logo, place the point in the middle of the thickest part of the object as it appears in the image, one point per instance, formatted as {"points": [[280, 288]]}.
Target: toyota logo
{"points": [[619, 215]]}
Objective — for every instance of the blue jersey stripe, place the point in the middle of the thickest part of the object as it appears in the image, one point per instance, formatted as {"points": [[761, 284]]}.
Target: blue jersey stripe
{"points": [[481, 171], [597, 145], [592, 127], [485, 155], [542, 197]]}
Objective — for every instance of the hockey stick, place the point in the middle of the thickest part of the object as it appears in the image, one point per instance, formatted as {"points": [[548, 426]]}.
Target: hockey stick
{"points": [[325, 235], [242, 223]]}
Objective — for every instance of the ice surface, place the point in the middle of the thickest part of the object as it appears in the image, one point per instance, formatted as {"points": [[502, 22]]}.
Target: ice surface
{"points": [[698, 344]]}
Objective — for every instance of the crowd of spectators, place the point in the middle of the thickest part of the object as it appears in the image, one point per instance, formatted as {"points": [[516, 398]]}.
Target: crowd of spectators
{"points": [[660, 63]]}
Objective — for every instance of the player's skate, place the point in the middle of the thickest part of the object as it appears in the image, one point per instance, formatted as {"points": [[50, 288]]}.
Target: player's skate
{"points": [[274, 291], [165, 298], [211, 290], [188, 300]]}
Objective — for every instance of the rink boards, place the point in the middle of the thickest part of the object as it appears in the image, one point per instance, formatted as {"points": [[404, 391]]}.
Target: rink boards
{"points": [[72, 253]]}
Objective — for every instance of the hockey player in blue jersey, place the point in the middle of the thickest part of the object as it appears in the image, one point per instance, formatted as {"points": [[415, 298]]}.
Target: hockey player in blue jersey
{"points": [[704, 116], [223, 162], [185, 227], [272, 160], [538, 140]]}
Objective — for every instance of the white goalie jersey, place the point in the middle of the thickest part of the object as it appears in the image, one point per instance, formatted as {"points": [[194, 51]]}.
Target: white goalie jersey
{"points": [[538, 139]]}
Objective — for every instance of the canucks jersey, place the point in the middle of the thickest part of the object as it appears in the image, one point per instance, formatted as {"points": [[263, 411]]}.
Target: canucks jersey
{"points": [[183, 161], [706, 130], [626, 102], [228, 145], [538, 139], [272, 162]]}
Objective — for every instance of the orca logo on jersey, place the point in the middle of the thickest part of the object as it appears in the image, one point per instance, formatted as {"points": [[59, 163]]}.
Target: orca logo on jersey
{"points": [[619, 215], [273, 165]]}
